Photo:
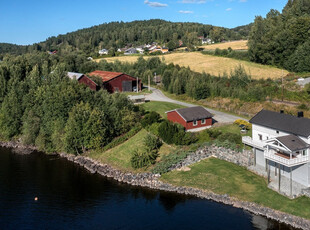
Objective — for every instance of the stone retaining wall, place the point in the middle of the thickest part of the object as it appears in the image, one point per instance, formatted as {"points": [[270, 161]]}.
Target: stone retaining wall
{"points": [[152, 181], [244, 158]]}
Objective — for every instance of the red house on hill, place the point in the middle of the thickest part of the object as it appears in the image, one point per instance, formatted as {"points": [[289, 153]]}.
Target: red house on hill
{"points": [[116, 81], [191, 118], [83, 79]]}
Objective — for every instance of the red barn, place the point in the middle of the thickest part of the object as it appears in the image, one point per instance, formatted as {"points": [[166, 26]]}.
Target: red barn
{"points": [[117, 82], [83, 79], [191, 118]]}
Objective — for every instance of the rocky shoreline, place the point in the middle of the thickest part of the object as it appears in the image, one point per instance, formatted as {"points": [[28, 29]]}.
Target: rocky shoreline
{"points": [[152, 181]]}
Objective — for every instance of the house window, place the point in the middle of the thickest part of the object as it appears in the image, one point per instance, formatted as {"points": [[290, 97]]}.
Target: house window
{"points": [[195, 123], [304, 152], [277, 132], [260, 137], [203, 121]]}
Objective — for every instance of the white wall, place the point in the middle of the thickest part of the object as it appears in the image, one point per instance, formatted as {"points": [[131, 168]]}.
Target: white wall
{"points": [[268, 133]]}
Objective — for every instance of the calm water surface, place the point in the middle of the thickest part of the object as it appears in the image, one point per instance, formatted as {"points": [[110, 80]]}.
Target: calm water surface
{"points": [[71, 198]]}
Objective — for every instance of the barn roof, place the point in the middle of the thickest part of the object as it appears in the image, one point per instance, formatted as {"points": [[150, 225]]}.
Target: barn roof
{"points": [[193, 113], [283, 122], [73, 75], [105, 75]]}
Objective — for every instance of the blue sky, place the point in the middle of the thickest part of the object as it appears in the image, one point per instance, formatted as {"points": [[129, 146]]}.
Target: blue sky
{"points": [[29, 21]]}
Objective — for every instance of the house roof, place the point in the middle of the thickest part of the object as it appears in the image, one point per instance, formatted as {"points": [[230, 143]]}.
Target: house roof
{"points": [[293, 142], [105, 75], [193, 113], [283, 122], [73, 75]]}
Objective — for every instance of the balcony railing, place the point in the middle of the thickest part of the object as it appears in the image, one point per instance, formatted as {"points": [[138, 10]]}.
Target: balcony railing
{"points": [[270, 155], [256, 144]]}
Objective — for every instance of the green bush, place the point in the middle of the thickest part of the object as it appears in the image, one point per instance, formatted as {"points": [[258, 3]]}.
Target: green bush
{"points": [[152, 142], [143, 158], [168, 161], [204, 137], [154, 128], [150, 118], [231, 137], [167, 130], [213, 133]]}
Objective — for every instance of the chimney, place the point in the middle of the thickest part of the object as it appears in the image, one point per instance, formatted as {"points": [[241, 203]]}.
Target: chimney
{"points": [[281, 111], [300, 114]]}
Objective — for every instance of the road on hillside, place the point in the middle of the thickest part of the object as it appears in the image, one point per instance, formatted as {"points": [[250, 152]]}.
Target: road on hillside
{"points": [[220, 117]]}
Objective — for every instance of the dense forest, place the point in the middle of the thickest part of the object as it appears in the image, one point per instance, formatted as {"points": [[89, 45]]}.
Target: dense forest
{"points": [[40, 105], [283, 39], [119, 34]]}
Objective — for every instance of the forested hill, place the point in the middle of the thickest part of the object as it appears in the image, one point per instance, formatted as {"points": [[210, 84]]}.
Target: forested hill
{"points": [[283, 39], [120, 34]]}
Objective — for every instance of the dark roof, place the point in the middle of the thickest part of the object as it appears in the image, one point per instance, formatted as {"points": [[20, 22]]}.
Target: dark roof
{"points": [[283, 122], [293, 142], [194, 113]]}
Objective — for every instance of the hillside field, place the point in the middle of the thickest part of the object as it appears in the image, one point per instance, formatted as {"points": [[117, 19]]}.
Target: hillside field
{"points": [[211, 64], [235, 45]]}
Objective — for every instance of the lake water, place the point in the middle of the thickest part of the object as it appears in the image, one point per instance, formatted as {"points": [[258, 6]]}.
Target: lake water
{"points": [[69, 197]]}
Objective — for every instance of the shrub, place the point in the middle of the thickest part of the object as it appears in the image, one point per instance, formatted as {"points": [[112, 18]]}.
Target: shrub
{"points": [[167, 131], [213, 133], [168, 161], [143, 158], [154, 128], [204, 137], [152, 142], [243, 122], [150, 118], [231, 137]]}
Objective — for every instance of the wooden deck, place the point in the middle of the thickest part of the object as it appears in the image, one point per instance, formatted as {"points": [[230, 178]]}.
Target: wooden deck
{"points": [[286, 156]]}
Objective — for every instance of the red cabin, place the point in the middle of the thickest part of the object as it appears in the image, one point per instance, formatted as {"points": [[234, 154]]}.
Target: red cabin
{"points": [[117, 82], [192, 118]]}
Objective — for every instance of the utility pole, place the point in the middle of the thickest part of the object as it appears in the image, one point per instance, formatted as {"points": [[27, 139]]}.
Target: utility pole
{"points": [[149, 78]]}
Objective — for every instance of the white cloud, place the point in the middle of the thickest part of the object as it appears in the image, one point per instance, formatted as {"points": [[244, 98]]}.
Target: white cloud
{"points": [[194, 1], [186, 12], [229, 9], [155, 4]]}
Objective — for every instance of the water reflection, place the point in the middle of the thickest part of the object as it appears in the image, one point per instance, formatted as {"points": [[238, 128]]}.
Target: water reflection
{"points": [[71, 198]]}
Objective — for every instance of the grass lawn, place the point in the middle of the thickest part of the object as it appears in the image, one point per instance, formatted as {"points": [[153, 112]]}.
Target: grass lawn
{"points": [[232, 128], [223, 177], [211, 64], [160, 107], [119, 156]]}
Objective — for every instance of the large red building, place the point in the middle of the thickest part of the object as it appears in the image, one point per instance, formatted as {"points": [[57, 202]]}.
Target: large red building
{"points": [[116, 81], [83, 79], [191, 118]]}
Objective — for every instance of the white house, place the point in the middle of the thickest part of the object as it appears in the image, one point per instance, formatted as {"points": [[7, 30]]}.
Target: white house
{"points": [[206, 41], [140, 49], [130, 51], [103, 51], [281, 146]]}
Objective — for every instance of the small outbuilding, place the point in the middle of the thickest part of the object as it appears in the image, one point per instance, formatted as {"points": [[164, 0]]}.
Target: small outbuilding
{"points": [[83, 79], [117, 82], [192, 118]]}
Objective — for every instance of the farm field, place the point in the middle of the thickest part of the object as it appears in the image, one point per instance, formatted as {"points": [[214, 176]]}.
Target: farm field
{"points": [[211, 64], [235, 45]]}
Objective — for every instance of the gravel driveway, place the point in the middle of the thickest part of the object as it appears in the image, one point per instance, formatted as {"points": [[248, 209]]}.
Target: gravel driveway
{"points": [[220, 117]]}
